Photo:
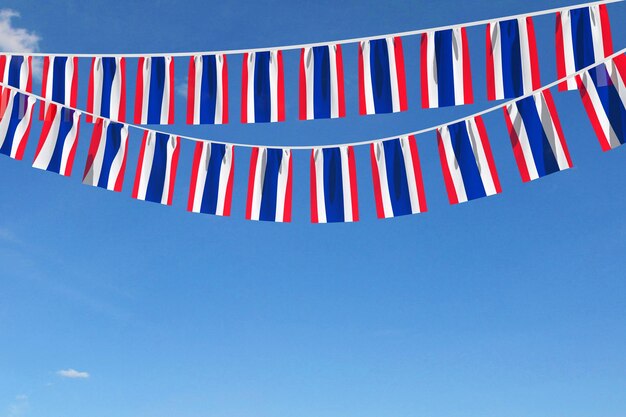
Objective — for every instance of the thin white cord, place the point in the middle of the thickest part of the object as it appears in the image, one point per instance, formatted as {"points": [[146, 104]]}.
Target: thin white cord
{"points": [[308, 148], [342, 41]]}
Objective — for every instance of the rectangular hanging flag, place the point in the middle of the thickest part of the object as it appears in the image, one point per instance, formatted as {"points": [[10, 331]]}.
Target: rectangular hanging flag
{"points": [[58, 140], [603, 91], [469, 170], [263, 87], [156, 170], [398, 185], [321, 83], [16, 112], [154, 99], [17, 71], [106, 161], [334, 195], [536, 136], [583, 37], [512, 64], [207, 90], [212, 174], [60, 82], [382, 82], [269, 185], [446, 73], [106, 96]]}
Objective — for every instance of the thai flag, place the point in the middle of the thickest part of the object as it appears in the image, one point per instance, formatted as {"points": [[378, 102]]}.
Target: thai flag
{"points": [[207, 90], [106, 96], [106, 161], [156, 170], [334, 195], [321, 83], [603, 90], [211, 189], [16, 112], [263, 87], [583, 37], [58, 140], [537, 137], [269, 185], [469, 170], [60, 82], [382, 83], [398, 185], [17, 71], [512, 64], [445, 69], [154, 99]]}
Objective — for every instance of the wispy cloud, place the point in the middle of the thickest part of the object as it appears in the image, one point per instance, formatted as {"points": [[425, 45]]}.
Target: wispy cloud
{"points": [[181, 88], [73, 374], [13, 39], [19, 407]]}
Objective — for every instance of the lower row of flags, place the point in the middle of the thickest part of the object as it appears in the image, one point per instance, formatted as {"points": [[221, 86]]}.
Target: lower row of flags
{"points": [[468, 166]]}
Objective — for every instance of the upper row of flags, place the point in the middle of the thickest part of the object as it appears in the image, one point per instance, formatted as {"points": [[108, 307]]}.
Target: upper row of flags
{"points": [[582, 37], [468, 166]]}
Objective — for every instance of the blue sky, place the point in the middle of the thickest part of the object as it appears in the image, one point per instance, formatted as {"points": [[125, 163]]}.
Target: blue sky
{"points": [[509, 305]]}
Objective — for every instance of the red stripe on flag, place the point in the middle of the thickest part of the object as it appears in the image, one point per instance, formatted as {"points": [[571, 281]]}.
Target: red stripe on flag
{"points": [[607, 40], [397, 43], [253, 161], [340, 83], [120, 178], [468, 91], [532, 47], [142, 152], [90, 93], [191, 90], [560, 52], [225, 91], [44, 87], [122, 69], [281, 88], [593, 116], [288, 191], [380, 211], [447, 177], [417, 171], [517, 147], [424, 71], [314, 214], [362, 106], [173, 168], [197, 155], [303, 109], [491, 81], [139, 91], [354, 194], [244, 89], [484, 139], [228, 198], [170, 119], [557, 124]]}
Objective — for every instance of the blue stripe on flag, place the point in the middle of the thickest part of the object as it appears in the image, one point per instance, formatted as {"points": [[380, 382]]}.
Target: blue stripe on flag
{"points": [[65, 125], [16, 118], [156, 183], [212, 184], [544, 158], [381, 77], [262, 91], [15, 65], [208, 89], [321, 82], [464, 153], [270, 184], [445, 68], [333, 185], [109, 67], [396, 178], [156, 89], [582, 38], [112, 145], [611, 101], [512, 76], [58, 79]]}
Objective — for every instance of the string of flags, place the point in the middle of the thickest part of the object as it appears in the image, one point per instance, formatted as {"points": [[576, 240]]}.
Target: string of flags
{"points": [[468, 166], [583, 37]]}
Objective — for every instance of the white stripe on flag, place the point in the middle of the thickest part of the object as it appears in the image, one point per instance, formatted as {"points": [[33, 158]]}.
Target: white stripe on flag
{"points": [[281, 192], [453, 165], [367, 79], [405, 144], [346, 186]]}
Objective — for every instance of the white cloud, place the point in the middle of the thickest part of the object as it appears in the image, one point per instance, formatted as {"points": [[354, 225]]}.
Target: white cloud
{"points": [[14, 39], [73, 373], [181, 89]]}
